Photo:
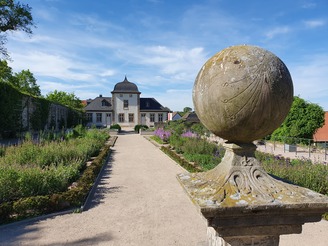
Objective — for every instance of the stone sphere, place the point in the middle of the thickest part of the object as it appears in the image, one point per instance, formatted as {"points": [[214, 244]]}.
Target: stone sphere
{"points": [[243, 93]]}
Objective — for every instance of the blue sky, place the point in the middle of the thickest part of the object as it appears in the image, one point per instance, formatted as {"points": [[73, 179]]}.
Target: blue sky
{"points": [[87, 46]]}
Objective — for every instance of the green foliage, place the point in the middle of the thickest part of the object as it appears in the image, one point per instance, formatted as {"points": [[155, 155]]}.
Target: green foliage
{"points": [[177, 142], [73, 197], [142, 127], [199, 146], [43, 169], [176, 127], [302, 121], [200, 129], [11, 110], [300, 172], [187, 109], [26, 82], [184, 163], [64, 98], [39, 117], [157, 139], [116, 126], [206, 162], [12, 104], [6, 72], [14, 17]]}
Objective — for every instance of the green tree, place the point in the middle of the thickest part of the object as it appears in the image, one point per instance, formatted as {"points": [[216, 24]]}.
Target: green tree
{"points": [[302, 121], [68, 99], [23, 81], [26, 82], [187, 109], [6, 72], [14, 16]]}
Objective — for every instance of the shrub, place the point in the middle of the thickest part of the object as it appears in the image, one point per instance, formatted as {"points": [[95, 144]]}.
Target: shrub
{"points": [[116, 126], [142, 127]]}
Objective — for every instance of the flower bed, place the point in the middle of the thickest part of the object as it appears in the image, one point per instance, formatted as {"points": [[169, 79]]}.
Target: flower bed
{"points": [[37, 180]]}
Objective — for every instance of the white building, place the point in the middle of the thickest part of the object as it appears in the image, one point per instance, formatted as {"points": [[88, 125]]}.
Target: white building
{"points": [[125, 108]]}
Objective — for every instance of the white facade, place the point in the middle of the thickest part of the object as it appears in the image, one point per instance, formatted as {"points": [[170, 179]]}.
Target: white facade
{"points": [[126, 109]]}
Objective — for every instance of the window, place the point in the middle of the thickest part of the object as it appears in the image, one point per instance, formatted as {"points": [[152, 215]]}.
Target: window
{"points": [[160, 117], [89, 117], [130, 95], [152, 117], [99, 117], [121, 95], [131, 117], [120, 118], [104, 103], [126, 104]]}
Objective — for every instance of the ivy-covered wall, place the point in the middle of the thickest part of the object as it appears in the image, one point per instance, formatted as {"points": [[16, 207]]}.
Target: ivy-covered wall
{"points": [[21, 112]]}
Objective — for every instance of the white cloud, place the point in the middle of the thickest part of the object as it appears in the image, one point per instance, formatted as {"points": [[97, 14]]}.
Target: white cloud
{"points": [[309, 5], [310, 78], [314, 23], [181, 64], [108, 73], [175, 100], [277, 31], [51, 65]]}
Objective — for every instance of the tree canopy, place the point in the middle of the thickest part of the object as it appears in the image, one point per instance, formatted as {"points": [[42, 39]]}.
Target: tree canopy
{"points": [[23, 81], [187, 109], [26, 82], [67, 99], [302, 121], [14, 16]]}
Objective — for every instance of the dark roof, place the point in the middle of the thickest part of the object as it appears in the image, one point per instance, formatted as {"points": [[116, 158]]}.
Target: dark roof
{"points": [[191, 117], [151, 104], [100, 104], [126, 87]]}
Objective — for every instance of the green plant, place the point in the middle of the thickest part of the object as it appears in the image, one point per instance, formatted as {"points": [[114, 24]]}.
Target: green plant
{"points": [[23, 207], [157, 139], [142, 127], [40, 169], [116, 126], [184, 163], [300, 172]]}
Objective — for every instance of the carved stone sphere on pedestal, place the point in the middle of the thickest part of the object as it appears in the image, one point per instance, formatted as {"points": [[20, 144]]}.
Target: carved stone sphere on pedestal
{"points": [[243, 93]]}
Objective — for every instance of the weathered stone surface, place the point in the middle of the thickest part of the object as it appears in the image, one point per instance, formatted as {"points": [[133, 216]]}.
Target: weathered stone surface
{"points": [[214, 239], [243, 93], [240, 182]]}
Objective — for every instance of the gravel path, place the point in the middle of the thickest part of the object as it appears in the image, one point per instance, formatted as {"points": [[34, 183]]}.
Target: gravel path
{"points": [[138, 201]]}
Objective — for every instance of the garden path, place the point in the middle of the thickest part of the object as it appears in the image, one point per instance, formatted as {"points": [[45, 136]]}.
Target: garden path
{"points": [[138, 201]]}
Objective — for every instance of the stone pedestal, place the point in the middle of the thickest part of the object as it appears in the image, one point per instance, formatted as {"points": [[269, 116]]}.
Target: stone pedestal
{"points": [[246, 206], [242, 94]]}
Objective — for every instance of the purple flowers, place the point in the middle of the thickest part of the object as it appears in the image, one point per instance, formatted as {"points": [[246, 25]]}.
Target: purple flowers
{"points": [[162, 134], [189, 134]]}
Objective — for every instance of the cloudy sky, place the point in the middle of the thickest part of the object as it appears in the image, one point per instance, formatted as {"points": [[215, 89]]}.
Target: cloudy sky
{"points": [[87, 46]]}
